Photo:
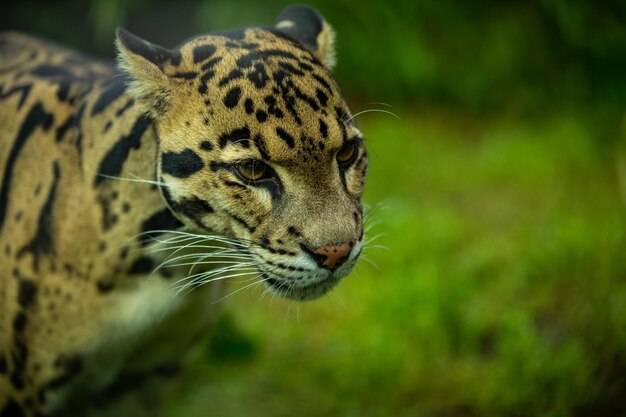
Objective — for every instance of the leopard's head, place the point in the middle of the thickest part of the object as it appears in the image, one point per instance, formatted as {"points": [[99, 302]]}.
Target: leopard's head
{"points": [[256, 143]]}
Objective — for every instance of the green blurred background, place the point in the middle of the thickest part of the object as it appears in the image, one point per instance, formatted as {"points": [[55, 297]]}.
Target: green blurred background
{"points": [[500, 192]]}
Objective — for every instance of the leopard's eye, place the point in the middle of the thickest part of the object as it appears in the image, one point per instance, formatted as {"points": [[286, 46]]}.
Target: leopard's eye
{"points": [[253, 170], [347, 154]]}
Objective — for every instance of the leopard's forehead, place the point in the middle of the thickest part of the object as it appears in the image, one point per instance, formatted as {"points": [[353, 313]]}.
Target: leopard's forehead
{"points": [[257, 86]]}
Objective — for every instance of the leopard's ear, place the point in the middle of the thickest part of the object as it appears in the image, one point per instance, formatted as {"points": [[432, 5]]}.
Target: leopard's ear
{"points": [[307, 26], [145, 63]]}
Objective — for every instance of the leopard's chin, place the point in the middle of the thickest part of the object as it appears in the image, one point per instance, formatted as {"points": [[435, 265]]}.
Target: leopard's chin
{"points": [[299, 292]]}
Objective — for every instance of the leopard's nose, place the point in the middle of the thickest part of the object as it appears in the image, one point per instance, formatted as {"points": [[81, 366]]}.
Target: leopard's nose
{"points": [[332, 256]]}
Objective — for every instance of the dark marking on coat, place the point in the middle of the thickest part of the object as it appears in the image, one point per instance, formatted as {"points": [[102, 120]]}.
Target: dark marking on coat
{"points": [[258, 76], [261, 116], [323, 130], [216, 166], [234, 184], [262, 147], [64, 90], [203, 87], [290, 69], [321, 97], [107, 97], [286, 137], [158, 223], [231, 76], [42, 243], [241, 221], [37, 117], [206, 145], [249, 106], [210, 64], [51, 71], [192, 207], [19, 356], [142, 265], [190, 75], [19, 322], [293, 231], [203, 52], [324, 83], [272, 108], [239, 136], [181, 165], [248, 60], [24, 90], [113, 161], [69, 367], [27, 293], [126, 106], [72, 122], [231, 98]]}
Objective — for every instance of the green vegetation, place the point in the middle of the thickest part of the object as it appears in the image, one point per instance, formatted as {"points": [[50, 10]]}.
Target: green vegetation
{"points": [[501, 194]]}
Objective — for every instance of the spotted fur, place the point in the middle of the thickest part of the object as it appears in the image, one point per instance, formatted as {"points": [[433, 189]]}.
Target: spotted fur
{"points": [[85, 314]]}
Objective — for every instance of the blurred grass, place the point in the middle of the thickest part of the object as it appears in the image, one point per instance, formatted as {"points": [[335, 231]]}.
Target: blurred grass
{"points": [[502, 292]]}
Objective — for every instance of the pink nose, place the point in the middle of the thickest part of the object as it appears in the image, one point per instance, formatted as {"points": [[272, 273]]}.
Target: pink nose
{"points": [[332, 256]]}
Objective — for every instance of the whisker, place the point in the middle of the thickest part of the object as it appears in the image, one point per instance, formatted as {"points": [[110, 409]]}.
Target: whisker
{"points": [[373, 110]]}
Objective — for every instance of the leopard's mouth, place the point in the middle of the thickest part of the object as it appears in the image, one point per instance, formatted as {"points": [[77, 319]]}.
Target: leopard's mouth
{"points": [[290, 290]]}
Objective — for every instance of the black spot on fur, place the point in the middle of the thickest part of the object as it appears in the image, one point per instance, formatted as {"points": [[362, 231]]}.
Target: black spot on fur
{"points": [[113, 161], [241, 221], [37, 117], [240, 136], [261, 116], [323, 129], [186, 75], [107, 97], [69, 368], [258, 76], [51, 71], [324, 83], [321, 97], [205, 145], [27, 293], [42, 243], [192, 207], [19, 322], [231, 99], [142, 265], [233, 75], [293, 231], [23, 89], [161, 220], [248, 60], [249, 106], [216, 166], [286, 137], [260, 144], [72, 122], [123, 109], [181, 165], [202, 53]]}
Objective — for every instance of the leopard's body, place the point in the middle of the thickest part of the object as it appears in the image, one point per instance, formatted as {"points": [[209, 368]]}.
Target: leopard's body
{"points": [[242, 135]]}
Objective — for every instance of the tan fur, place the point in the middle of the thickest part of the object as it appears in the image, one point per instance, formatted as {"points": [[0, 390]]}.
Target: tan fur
{"points": [[80, 306]]}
